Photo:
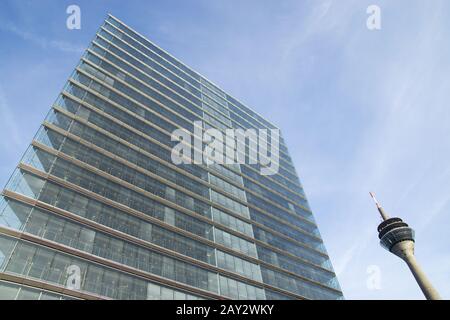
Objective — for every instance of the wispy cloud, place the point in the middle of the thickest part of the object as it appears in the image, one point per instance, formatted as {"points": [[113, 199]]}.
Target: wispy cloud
{"points": [[401, 151], [42, 41], [351, 253], [9, 130]]}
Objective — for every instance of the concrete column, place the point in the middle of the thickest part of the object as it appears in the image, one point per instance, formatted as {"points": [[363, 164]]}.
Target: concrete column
{"points": [[405, 250]]}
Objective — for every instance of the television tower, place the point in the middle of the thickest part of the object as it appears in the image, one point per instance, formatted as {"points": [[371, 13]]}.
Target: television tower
{"points": [[397, 237]]}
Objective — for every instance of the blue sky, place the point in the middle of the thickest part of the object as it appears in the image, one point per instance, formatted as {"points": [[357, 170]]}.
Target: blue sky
{"points": [[360, 110]]}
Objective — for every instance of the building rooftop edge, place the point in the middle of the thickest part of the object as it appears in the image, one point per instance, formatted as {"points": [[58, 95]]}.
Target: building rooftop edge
{"points": [[198, 73]]}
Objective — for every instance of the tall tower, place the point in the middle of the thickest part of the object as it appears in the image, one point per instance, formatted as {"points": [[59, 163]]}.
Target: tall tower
{"points": [[397, 237]]}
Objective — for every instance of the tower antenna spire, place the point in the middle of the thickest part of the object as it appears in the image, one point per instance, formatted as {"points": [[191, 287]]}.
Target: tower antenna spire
{"points": [[383, 213]]}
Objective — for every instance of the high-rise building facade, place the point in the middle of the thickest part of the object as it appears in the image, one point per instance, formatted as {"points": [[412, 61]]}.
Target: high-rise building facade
{"points": [[97, 209]]}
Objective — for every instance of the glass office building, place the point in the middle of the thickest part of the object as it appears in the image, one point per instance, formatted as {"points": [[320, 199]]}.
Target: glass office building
{"points": [[96, 209]]}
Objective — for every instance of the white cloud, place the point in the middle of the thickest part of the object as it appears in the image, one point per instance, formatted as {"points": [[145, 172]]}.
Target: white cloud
{"points": [[42, 41], [9, 131]]}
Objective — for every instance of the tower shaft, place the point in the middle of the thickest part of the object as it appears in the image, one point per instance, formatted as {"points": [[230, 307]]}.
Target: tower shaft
{"points": [[405, 250]]}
